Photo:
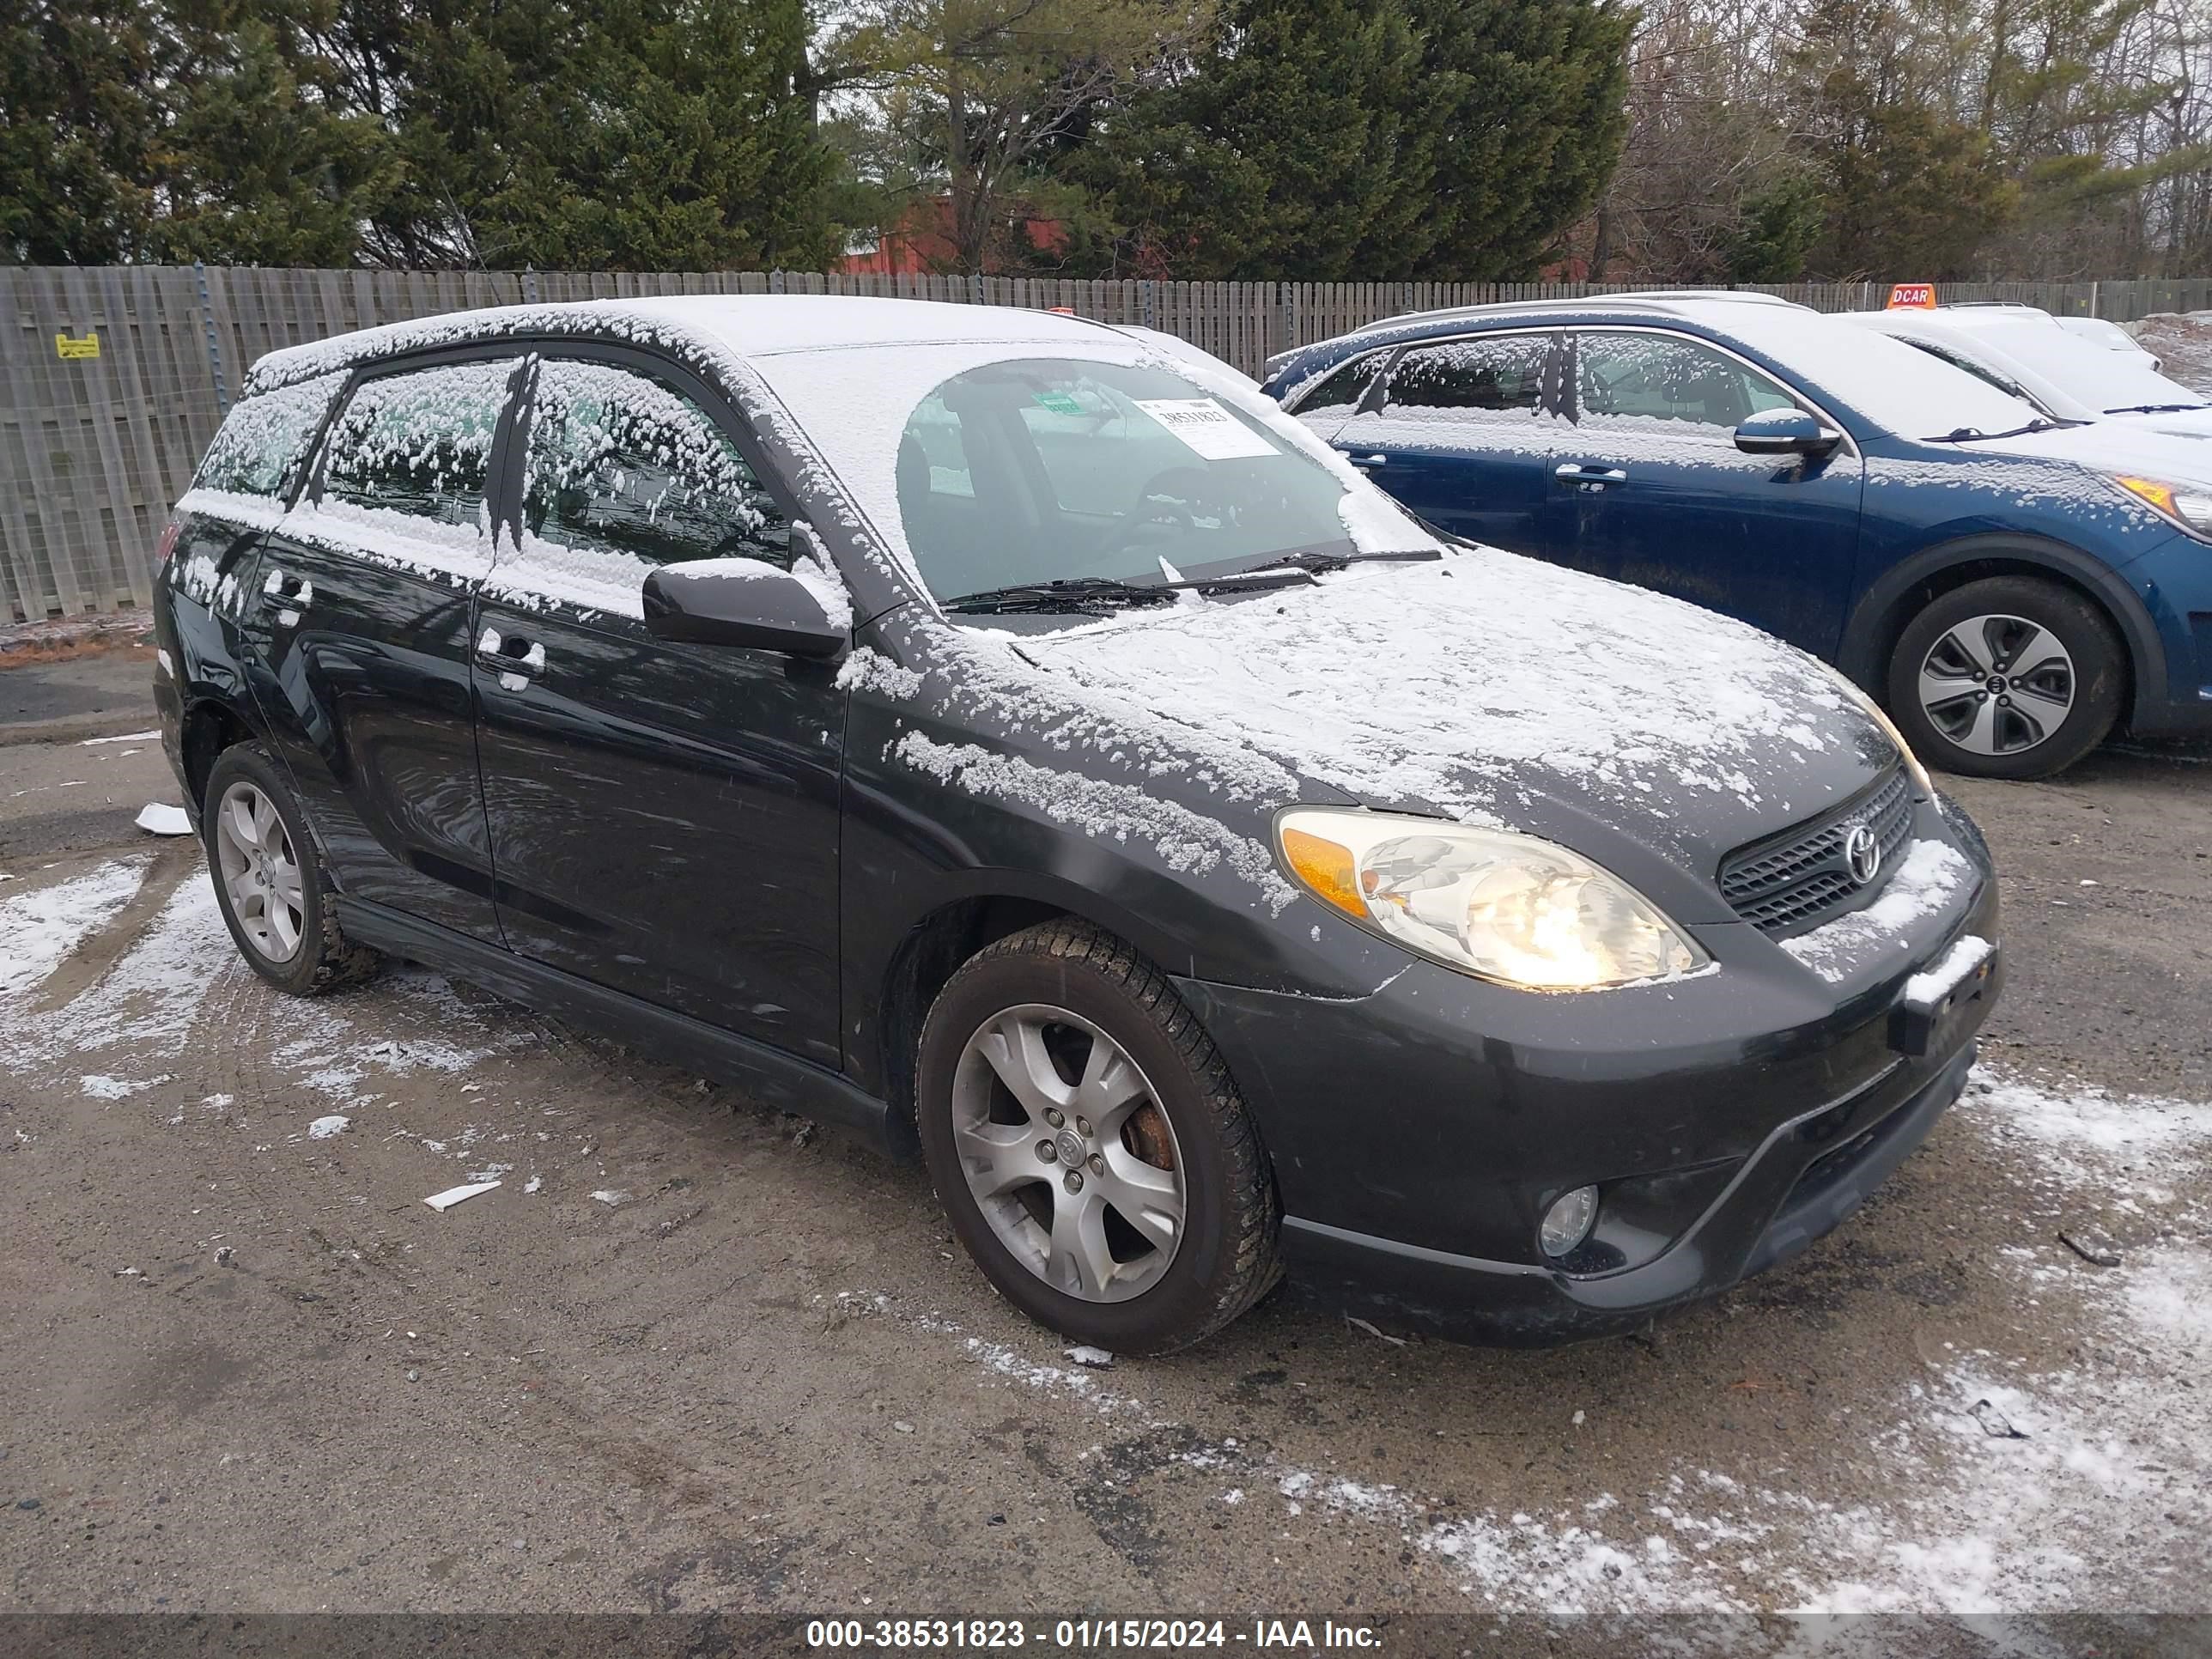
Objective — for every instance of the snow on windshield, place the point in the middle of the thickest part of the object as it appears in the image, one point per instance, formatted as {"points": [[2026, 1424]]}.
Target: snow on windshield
{"points": [[2107, 381], [1899, 387], [871, 412]]}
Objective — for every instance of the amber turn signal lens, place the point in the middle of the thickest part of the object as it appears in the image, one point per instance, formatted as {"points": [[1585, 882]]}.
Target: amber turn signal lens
{"points": [[2158, 495], [1326, 868]]}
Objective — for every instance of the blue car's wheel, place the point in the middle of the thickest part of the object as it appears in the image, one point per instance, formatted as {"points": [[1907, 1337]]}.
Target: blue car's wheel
{"points": [[2007, 677]]}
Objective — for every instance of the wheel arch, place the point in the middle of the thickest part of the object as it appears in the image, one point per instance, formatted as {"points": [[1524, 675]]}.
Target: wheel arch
{"points": [[1891, 602], [210, 724], [931, 952]]}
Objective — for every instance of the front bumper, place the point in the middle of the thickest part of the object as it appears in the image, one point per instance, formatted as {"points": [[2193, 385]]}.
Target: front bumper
{"points": [[1418, 1134]]}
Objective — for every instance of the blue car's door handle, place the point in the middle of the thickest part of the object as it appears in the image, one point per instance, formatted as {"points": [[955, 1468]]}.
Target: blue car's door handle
{"points": [[1589, 476]]}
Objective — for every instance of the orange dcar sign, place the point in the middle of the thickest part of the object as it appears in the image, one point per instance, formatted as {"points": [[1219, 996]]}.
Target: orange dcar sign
{"points": [[1911, 296]]}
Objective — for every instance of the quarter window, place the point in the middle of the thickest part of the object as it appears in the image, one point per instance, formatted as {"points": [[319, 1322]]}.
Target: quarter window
{"points": [[265, 437], [419, 443], [1637, 377], [1502, 377], [622, 462], [1339, 393]]}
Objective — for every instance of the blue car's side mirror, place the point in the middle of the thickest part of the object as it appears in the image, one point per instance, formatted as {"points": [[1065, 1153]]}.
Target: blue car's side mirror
{"points": [[1786, 432]]}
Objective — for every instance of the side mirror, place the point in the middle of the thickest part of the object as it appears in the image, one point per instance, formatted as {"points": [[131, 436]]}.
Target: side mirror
{"points": [[739, 602], [1786, 432]]}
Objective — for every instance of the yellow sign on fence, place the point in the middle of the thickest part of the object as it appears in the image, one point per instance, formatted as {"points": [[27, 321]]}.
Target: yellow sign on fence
{"points": [[65, 347]]}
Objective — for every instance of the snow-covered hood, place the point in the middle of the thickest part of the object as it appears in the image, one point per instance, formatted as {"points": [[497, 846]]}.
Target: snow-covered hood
{"points": [[2195, 423], [2109, 447], [1496, 689]]}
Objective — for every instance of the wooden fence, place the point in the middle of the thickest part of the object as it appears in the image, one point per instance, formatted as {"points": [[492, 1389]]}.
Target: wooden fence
{"points": [[96, 443]]}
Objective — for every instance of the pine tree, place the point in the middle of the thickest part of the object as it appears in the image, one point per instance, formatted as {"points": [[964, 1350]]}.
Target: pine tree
{"points": [[1296, 147], [263, 163], [80, 128], [1529, 112]]}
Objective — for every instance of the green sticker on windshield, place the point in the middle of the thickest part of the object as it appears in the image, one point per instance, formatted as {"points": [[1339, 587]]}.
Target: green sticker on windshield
{"points": [[1058, 402]]}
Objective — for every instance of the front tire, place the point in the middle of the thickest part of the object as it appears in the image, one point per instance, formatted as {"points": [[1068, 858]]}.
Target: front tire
{"points": [[270, 879], [1089, 1145], [2010, 676]]}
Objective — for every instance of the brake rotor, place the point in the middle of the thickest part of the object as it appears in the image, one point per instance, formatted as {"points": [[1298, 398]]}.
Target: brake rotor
{"points": [[1144, 1133]]}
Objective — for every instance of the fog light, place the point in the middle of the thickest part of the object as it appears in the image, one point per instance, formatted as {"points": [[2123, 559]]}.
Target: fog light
{"points": [[1567, 1222]]}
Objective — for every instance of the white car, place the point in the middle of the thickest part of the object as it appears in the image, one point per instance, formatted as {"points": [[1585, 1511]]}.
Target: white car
{"points": [[2098, 331], [2021, 350]]}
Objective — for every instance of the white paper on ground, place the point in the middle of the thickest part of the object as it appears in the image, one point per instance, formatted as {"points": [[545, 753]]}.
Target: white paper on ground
{"points": [[1207, 426], [453, 1195], [162, 820]]}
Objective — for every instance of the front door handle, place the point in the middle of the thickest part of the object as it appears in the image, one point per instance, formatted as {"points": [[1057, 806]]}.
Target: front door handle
{"points": [[511, 654], [1589, 475]]}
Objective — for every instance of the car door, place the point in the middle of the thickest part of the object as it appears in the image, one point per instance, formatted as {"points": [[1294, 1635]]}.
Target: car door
{"points": [[1466, 432], [664, 817], [359, 628], [1660, 496]]}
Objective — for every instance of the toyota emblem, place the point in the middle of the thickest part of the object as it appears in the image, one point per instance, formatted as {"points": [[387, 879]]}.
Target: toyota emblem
{"points": [[1863, 853]]}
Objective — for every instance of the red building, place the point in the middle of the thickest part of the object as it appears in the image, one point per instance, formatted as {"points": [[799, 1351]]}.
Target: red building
{"points": [[922, 242]]}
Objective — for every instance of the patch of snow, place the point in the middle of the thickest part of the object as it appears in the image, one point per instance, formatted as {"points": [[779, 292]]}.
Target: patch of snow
{"points": [[322, 1129], [1924, 883], [40, 927], [128, 737]]}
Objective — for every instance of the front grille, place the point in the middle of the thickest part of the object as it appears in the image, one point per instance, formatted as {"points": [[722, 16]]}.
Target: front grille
{"points": [[1792, 881]]}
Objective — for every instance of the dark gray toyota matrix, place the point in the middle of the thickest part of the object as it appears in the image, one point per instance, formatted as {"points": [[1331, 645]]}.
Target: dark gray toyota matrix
{"points": [[1020, 739]]}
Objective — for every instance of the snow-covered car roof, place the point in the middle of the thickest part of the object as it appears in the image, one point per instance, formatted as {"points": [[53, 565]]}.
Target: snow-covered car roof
{"points": [[744, 325]]}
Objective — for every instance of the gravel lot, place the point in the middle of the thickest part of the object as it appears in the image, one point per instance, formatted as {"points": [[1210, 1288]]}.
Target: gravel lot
{"points": [[688, 1355]]}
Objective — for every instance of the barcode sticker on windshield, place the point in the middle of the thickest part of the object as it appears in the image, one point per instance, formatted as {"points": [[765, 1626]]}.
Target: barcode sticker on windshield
{"points": [[1207, 426]]}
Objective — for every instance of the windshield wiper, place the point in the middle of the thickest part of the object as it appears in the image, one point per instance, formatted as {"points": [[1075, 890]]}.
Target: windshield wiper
{"points": [[1064, 593], [1959, 435], [1099, 594], [1320, 564], [2156, 409]]}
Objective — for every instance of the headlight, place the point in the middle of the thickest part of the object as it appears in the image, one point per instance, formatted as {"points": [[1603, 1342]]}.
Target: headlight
{"points": [[2189, 506], [1503, 907], [1922, 785]]}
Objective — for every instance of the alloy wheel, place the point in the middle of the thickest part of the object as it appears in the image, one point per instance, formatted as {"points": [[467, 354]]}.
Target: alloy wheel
{"points": [[260, 871], [1068, 1153], [1997, 685]]}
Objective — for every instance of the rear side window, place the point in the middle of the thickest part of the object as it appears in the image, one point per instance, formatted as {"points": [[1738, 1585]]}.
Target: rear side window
{"points": [[622, 462], [1340, 391], [265, 438], [1507, 377], [419, 442]]}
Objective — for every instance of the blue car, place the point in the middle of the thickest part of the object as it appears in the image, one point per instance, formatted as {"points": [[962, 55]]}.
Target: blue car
{"points": [[2012, 586]]}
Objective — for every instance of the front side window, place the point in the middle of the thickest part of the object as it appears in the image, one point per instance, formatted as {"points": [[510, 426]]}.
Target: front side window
{"points": [[419, 442], [1049, 469], [619, 463], [1638, 378], [264, 439], [1506, 377]]}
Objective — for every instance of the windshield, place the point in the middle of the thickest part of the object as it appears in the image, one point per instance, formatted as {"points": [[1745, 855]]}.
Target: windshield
{"points": [[2110, 382], [1044, 470], [1885, 381]]}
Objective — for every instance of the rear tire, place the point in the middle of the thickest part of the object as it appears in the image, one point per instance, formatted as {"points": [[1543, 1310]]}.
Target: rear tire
{"points": [[2010, 676], [270, 881], [1152, 1221]]}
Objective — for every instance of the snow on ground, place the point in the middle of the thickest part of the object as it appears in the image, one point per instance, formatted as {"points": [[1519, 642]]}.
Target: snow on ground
{"points": [[40, 927], [2183, 344], [2077, 1479], [2007, 1485]]}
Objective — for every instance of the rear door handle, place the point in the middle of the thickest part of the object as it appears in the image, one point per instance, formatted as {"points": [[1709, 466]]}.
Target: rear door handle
{"points": [[1589, 474], [291, 589], [513, 654]]}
